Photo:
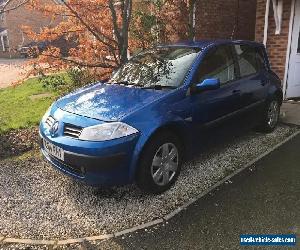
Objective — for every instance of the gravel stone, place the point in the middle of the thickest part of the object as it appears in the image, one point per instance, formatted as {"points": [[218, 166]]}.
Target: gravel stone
{"points": [[38, 202]]}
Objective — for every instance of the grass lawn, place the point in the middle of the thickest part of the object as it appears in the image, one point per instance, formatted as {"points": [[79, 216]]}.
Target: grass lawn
{"points": [[23, 106]]}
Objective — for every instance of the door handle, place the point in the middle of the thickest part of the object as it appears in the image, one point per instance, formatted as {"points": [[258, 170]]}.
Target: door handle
{"points": [[236, 91], [264, 82]]}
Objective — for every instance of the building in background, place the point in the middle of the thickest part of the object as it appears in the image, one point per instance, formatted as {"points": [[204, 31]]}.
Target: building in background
{"points": [[278, 27], [11, 34], [214, 19]]}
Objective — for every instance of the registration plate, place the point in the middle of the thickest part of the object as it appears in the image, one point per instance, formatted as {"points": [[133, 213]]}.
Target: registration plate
{"points": [[53, 150]]}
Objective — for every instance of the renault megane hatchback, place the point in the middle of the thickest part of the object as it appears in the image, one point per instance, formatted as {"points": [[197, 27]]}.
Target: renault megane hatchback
{"points": [[138, 126]]}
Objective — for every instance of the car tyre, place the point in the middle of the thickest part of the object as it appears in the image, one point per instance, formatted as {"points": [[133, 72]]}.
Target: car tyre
{"points": [[160, 163], [270, 116]]}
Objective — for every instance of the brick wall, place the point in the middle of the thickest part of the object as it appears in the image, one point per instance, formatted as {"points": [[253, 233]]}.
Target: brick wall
{"points": [[219, 19], [276, 44]]}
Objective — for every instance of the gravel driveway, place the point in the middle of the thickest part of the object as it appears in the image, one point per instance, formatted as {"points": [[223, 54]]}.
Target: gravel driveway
{"points": [[12, 70], [37, 202]]}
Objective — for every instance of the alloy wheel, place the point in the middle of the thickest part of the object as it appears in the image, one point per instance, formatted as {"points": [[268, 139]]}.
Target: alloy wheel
{"points": [[165, 164], [273, 114]]}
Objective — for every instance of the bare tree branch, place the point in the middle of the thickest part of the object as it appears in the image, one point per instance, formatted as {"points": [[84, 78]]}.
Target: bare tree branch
{"points": [[81, 63], [3, 10], [100, 36]]}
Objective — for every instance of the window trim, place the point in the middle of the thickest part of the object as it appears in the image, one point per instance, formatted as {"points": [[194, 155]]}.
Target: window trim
{"points": [[260, 49]]}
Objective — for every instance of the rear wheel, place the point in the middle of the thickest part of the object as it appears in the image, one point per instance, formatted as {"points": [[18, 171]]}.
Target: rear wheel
{"points": [[160, 163], [270, 116]]}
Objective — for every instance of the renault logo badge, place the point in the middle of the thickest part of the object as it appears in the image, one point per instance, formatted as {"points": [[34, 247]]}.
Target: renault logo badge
{"points": [[54, 128]]}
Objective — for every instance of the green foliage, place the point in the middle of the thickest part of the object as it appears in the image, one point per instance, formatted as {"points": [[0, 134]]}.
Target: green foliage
{"points": [[149, 27], [54, 82], [148, 21], [24, 105], [80, 77], [67, 82]]}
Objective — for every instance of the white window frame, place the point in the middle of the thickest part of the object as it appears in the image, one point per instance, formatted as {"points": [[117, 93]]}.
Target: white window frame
{"points": [[3, 45]]}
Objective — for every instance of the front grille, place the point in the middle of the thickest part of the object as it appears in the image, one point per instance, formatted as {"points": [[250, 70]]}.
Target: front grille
{"points": [[72, 131], [50, 121]]}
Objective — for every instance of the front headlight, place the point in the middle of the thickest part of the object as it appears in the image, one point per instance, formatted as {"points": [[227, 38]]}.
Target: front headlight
{"points": [[107, 131]]}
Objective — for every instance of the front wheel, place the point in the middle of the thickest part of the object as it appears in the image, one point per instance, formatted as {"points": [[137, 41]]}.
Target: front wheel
{"points": [[270, 116], [160, 163]]}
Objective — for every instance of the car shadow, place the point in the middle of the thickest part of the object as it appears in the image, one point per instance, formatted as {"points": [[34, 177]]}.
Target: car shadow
{"points": [[221, 135]]}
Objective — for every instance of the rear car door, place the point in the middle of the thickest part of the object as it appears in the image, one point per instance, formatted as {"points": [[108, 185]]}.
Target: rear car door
{"points": [[213, 105], [253, 78]]}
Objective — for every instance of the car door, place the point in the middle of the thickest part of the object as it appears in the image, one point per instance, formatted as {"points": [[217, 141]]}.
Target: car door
{"points": [[212, 106], [253, 78]]}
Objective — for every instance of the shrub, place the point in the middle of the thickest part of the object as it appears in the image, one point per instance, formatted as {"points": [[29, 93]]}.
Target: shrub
{"points": [[65, 83], [54, 82], [80, 77]]}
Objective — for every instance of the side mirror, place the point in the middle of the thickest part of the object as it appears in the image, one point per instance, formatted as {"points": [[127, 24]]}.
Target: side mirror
{"points": [[207, 84]]}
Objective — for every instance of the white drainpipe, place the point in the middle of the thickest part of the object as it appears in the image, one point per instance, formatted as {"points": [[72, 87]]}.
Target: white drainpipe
{"points": [[266, 22], [278, 10], [288, 51]]}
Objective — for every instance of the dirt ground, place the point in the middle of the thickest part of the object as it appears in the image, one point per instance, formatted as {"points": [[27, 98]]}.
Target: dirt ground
{"points": [[11, 71]]}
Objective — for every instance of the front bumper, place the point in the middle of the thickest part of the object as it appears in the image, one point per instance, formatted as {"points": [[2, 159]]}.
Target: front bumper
{"points": [[95, 166], [95, 163]]}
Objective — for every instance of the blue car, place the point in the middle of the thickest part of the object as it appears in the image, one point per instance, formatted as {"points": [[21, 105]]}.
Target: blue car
{"points": [[139, 125]]}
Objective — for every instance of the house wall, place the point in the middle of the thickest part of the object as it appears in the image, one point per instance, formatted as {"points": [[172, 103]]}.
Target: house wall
{"points": [[13, 22], [276, 44], [215, 19], [223, 19]]}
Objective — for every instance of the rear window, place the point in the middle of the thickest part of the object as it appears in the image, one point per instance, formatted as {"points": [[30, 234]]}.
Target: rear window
{"points": [[250, 59]]}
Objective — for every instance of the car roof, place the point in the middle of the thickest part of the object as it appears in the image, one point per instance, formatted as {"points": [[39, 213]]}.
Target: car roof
{"points": [[205, 43]]}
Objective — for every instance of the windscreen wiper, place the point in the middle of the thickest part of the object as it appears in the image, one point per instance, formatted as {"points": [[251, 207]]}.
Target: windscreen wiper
{"points": [[123, 83], [159, 87], [126, 83]]}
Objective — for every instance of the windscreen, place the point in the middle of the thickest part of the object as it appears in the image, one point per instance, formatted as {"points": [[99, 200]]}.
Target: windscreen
{"points": [[166, 67]]}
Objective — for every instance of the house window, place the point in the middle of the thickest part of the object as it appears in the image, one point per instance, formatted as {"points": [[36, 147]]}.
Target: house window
{"points": [[5, 43], [2, 16]]}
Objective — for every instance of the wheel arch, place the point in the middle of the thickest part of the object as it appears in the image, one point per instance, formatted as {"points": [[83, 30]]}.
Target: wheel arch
{"points": [[275, 92], [177, 129], [279, 95]]}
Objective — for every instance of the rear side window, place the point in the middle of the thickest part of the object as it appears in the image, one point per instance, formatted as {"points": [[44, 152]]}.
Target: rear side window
{"points": [[218, 63], [260, 58], [250, 59]]}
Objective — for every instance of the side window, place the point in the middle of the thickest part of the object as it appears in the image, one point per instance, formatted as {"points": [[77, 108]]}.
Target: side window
{"points": [[260, 59], [218, 63], [250, 59]]}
